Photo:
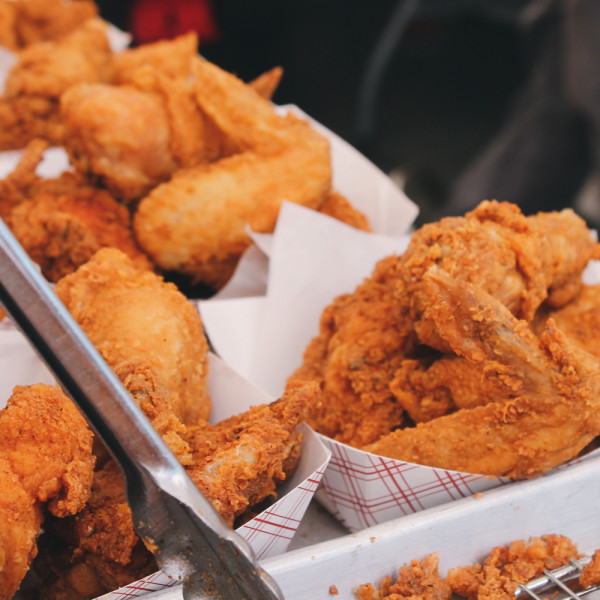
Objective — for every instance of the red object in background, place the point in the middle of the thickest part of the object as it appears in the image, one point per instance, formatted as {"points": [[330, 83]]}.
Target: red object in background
{"points": [[152, 20]]}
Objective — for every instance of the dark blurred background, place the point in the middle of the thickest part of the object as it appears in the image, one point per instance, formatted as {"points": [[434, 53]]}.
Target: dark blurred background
{"points": [[449, 75]]}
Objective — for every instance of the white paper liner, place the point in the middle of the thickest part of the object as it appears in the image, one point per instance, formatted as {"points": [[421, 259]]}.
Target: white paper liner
{"points": [[312, 260]]}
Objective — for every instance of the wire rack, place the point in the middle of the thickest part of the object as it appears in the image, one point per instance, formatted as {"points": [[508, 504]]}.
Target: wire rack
{"points": [[553, 584]]}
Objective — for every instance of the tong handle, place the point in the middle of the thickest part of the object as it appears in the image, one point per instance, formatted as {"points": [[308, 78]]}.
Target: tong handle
{"points": [[193, 542]]}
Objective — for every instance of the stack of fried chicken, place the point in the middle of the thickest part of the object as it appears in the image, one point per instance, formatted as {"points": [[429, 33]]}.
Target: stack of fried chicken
{"points": [[172, 157], [57, 476], [476, 350]]}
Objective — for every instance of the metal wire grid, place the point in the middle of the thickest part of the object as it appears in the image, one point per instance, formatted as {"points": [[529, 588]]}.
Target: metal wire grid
{"points": [[553, 584]]}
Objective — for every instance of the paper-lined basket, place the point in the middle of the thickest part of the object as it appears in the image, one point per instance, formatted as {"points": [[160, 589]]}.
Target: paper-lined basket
{"points": [[271, 531], [313, 259]]}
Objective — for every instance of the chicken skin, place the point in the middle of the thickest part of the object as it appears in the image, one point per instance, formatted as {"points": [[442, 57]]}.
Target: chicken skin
{"points": [[521, 261], [549, 416], [46, 461], [379, 358], [195, 223], [149, 334], [363, 340], [29, 107], [236, 464]]}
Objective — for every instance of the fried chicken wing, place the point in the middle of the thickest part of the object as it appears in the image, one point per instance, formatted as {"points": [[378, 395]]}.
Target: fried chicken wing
{"points": [[551, 416], [150, 335], [29, 107], [195, 223], [521, 261], [238, 462], [45, 460]]}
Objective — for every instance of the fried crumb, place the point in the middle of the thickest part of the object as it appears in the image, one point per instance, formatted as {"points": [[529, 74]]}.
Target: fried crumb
{"points": [[333, 591]]}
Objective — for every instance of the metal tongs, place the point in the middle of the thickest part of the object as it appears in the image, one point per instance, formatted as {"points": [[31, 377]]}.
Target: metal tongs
{"points": [[193, 543]]}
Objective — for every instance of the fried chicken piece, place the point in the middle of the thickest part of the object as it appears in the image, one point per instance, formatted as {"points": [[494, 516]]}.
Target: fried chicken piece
{"points": [[338, 207], [60, 233], [149, 334], [363, 340], [121, 134], [579, 319], [498, 576], [29, 107], [170, 57], [21, 521], [427, 390], [8, 19], [238, 462], [521, 261], [266, 83], [96, 550], [44, 20], [551, 415], [420, 580], [45, 459], [195, 224]]}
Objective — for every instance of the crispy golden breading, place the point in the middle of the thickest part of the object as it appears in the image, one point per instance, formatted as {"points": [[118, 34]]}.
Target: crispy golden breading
{"points": [[8, 31], [383, 361], [45, 460], [549, 416], [420, 580], [238, 462], [43, 20], [21, 516], [579, 319], [521, 261], [338, 207], [497, 576], [29, 107], [149, 333], [362, 342], [60, 233], [195, 223]]}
